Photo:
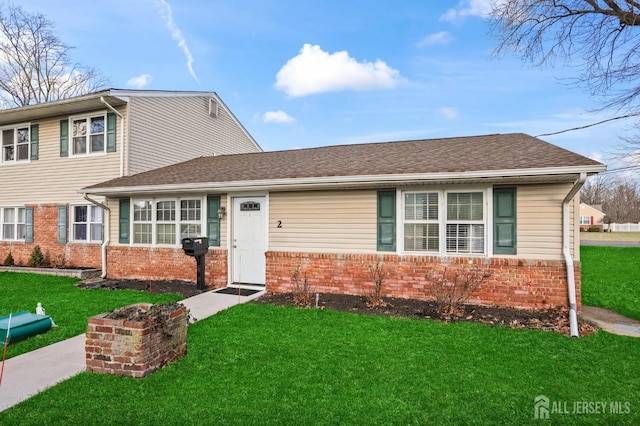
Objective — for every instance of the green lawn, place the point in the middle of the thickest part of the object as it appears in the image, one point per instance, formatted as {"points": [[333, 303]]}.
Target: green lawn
{"points": [[611, 278], [261, 364], [69, 306]]}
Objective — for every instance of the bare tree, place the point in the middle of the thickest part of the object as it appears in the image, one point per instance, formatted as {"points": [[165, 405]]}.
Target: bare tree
{"points": [[595, 190], [622, 203], [35, 65], [599, 33]]}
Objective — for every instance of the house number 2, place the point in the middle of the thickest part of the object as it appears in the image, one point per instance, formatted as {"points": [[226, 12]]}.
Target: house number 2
{"points": [[279, 224]]}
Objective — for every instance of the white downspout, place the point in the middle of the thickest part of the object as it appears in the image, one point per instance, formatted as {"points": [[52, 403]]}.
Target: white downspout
{"points": [[121, 134], [107, 233], [568, 259]]}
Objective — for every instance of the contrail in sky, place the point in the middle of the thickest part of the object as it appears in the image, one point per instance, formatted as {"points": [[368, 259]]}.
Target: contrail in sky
{"points": [[167, 15]]}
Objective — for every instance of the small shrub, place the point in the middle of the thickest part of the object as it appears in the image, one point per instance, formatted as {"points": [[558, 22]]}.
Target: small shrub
{"points": [[452, 288], [58, 261], [302, 291], [9, 261], [594, 229], [36, 258], [378, 275]]}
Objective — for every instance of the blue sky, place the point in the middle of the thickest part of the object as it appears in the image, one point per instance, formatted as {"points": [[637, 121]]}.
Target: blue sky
{"points": [[311, 73]]}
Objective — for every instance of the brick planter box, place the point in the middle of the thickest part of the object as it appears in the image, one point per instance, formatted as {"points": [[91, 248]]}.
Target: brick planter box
{"points": [[136, 340]]}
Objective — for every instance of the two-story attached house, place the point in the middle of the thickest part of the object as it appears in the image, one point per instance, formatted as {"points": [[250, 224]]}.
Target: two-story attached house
{"points": [[49, 151]]}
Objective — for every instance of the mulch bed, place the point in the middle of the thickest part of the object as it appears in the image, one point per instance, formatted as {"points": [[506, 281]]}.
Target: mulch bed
{"points": [[550, 319], [183, 288]]}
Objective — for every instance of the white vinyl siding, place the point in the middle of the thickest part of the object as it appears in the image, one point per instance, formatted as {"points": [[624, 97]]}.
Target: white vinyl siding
{"points": [[166, 130], [323, 221], [53, 179], [539, 225]]}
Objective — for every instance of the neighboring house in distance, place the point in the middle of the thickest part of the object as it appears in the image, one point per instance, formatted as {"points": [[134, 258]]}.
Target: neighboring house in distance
{"points": [[506, 202], [49, 151], [591, 217]]}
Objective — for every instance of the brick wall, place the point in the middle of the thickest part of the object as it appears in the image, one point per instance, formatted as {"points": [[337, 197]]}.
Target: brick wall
{"points": [[531, 284], [136, 347], [45, 234], [165, 264]]}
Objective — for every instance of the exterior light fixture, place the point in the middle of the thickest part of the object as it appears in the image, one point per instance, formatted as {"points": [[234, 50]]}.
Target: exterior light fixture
{"points": [[222, 211]]}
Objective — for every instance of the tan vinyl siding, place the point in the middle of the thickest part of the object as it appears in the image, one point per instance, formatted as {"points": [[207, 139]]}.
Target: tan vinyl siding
{"points": [[318, 221], [114, 206], [539, 218], [55, 179], [168, 130]]}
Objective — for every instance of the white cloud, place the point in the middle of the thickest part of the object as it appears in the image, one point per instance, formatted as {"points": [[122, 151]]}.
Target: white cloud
{"points": [[467, 8], [140, 81], [316, 71], [443, 37], [277, 117], [448, 113], [167, 14]]}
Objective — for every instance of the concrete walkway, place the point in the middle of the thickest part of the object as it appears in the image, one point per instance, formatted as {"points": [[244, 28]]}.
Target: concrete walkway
{"points": [[35, 371], [611, 321]]}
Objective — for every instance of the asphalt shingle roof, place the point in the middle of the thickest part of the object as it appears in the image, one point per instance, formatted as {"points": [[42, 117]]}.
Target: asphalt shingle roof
{"points": [[448, 155]]}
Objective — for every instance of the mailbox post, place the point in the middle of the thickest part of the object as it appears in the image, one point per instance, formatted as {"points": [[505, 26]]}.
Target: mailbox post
{"points": [[197, 247]]}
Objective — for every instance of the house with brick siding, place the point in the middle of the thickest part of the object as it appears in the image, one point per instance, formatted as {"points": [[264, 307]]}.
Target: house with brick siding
{"points": [[507, 203], [49, 151]]}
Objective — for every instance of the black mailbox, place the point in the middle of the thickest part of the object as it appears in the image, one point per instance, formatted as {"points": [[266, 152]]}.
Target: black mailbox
{"points": [[195, 246]]}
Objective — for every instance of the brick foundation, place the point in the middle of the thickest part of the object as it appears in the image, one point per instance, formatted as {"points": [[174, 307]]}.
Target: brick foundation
{"points": [[136, 347], [519, 283], [165, 264]]}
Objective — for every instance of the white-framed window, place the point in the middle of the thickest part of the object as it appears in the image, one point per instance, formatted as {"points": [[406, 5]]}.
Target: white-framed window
{"points": [[166, 221], [445, 222], [13, 221], [421, 226], [142, 222], [585, 220], [465, 223], [86, 223], [15, 143], [88, 134]]}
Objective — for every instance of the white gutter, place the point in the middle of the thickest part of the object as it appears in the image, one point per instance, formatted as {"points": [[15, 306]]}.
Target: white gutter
{"points": [[566, 251], [121, 134], [107, 233]]}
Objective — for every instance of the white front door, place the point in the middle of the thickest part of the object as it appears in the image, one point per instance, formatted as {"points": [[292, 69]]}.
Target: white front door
{"points": [[249, 242]]}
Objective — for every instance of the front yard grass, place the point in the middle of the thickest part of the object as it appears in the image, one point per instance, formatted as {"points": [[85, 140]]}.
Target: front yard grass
{"points": [[262, 364], [611, 278], [69, 306]]}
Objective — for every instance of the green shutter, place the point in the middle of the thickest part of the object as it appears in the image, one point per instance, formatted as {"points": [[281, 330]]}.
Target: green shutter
{"points": [[64, 138], [386, 237], [35, 133], [504, 221], [111, 132], [28, 224], [213, 221], [62, 224], [123, 220]]}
